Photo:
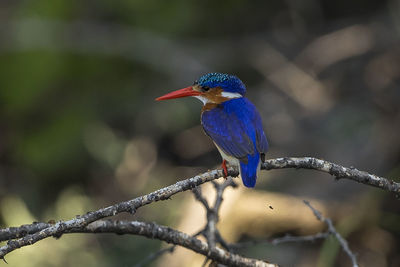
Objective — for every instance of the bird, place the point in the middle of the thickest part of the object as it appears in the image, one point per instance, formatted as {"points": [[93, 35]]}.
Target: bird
{"points": [[231, 121]]}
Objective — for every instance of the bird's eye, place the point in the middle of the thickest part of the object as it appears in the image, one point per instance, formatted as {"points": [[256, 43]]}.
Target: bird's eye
{"points": [[195, 82], [206, 88]]}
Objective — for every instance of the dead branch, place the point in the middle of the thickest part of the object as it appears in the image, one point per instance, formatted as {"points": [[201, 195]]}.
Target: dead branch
{"points": [[336, 170], [332, 230], [210, 231], [130, 206], [29, 234], [280, 240], [169, 235]]}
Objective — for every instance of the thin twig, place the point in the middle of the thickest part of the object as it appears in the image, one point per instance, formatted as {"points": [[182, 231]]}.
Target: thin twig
{"points": [[280, 240], [306, 238], [199, 197], [155, 255], [222, 241], [343, 243], [210, 231], [206, 259]]}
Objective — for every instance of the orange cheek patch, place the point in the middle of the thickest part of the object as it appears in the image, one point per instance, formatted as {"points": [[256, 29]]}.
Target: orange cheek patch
{"points": [[214, 96]]}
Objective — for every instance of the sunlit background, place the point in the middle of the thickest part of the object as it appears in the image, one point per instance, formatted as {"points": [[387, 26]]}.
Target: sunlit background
{"points": [[80, 130]]}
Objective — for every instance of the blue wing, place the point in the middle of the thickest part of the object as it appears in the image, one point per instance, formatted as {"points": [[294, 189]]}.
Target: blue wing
{"points": [[235, 126], [261, 139]]}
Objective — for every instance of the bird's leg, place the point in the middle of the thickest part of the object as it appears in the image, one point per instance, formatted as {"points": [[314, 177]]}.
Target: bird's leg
{"points": [[223, 166]]}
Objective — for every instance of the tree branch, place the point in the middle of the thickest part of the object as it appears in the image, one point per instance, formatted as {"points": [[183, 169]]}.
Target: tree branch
{"points": [[332, 230], [210, 231], [280, 240], [130, 206], [30, 234], [169, 235], [23, 230], [333, 169]]}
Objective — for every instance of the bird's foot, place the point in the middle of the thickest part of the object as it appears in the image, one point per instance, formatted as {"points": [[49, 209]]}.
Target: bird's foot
{"points": [[223, 166]]}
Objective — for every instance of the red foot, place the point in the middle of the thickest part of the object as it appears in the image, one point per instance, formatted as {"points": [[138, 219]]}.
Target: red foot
{"points": [[223, 166]]}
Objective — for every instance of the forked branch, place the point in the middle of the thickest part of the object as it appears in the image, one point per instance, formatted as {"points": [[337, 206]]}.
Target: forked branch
{"points": [[30, 234]]}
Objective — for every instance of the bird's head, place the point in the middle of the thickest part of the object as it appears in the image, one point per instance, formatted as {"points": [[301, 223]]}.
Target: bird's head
{"points": [[211, 88]]}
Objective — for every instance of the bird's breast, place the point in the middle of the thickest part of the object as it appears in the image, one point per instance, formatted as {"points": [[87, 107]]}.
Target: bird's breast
{"points": [[230, 159]]}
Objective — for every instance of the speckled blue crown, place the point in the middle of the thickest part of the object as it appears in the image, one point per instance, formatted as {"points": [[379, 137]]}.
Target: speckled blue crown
{"points": [[229, 83]]}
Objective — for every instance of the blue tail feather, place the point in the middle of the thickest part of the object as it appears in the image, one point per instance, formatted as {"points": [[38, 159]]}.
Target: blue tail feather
{"points": [[249, 171]]}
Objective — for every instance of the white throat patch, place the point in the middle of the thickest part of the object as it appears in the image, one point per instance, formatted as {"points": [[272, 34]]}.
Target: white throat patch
{"points": [[202, 99]]}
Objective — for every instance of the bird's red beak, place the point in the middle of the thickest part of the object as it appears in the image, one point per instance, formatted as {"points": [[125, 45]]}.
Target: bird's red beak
{"points": [[188, 91]]}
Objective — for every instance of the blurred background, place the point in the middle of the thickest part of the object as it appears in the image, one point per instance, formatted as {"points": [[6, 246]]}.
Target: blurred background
{"points": [[80, 130]]}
